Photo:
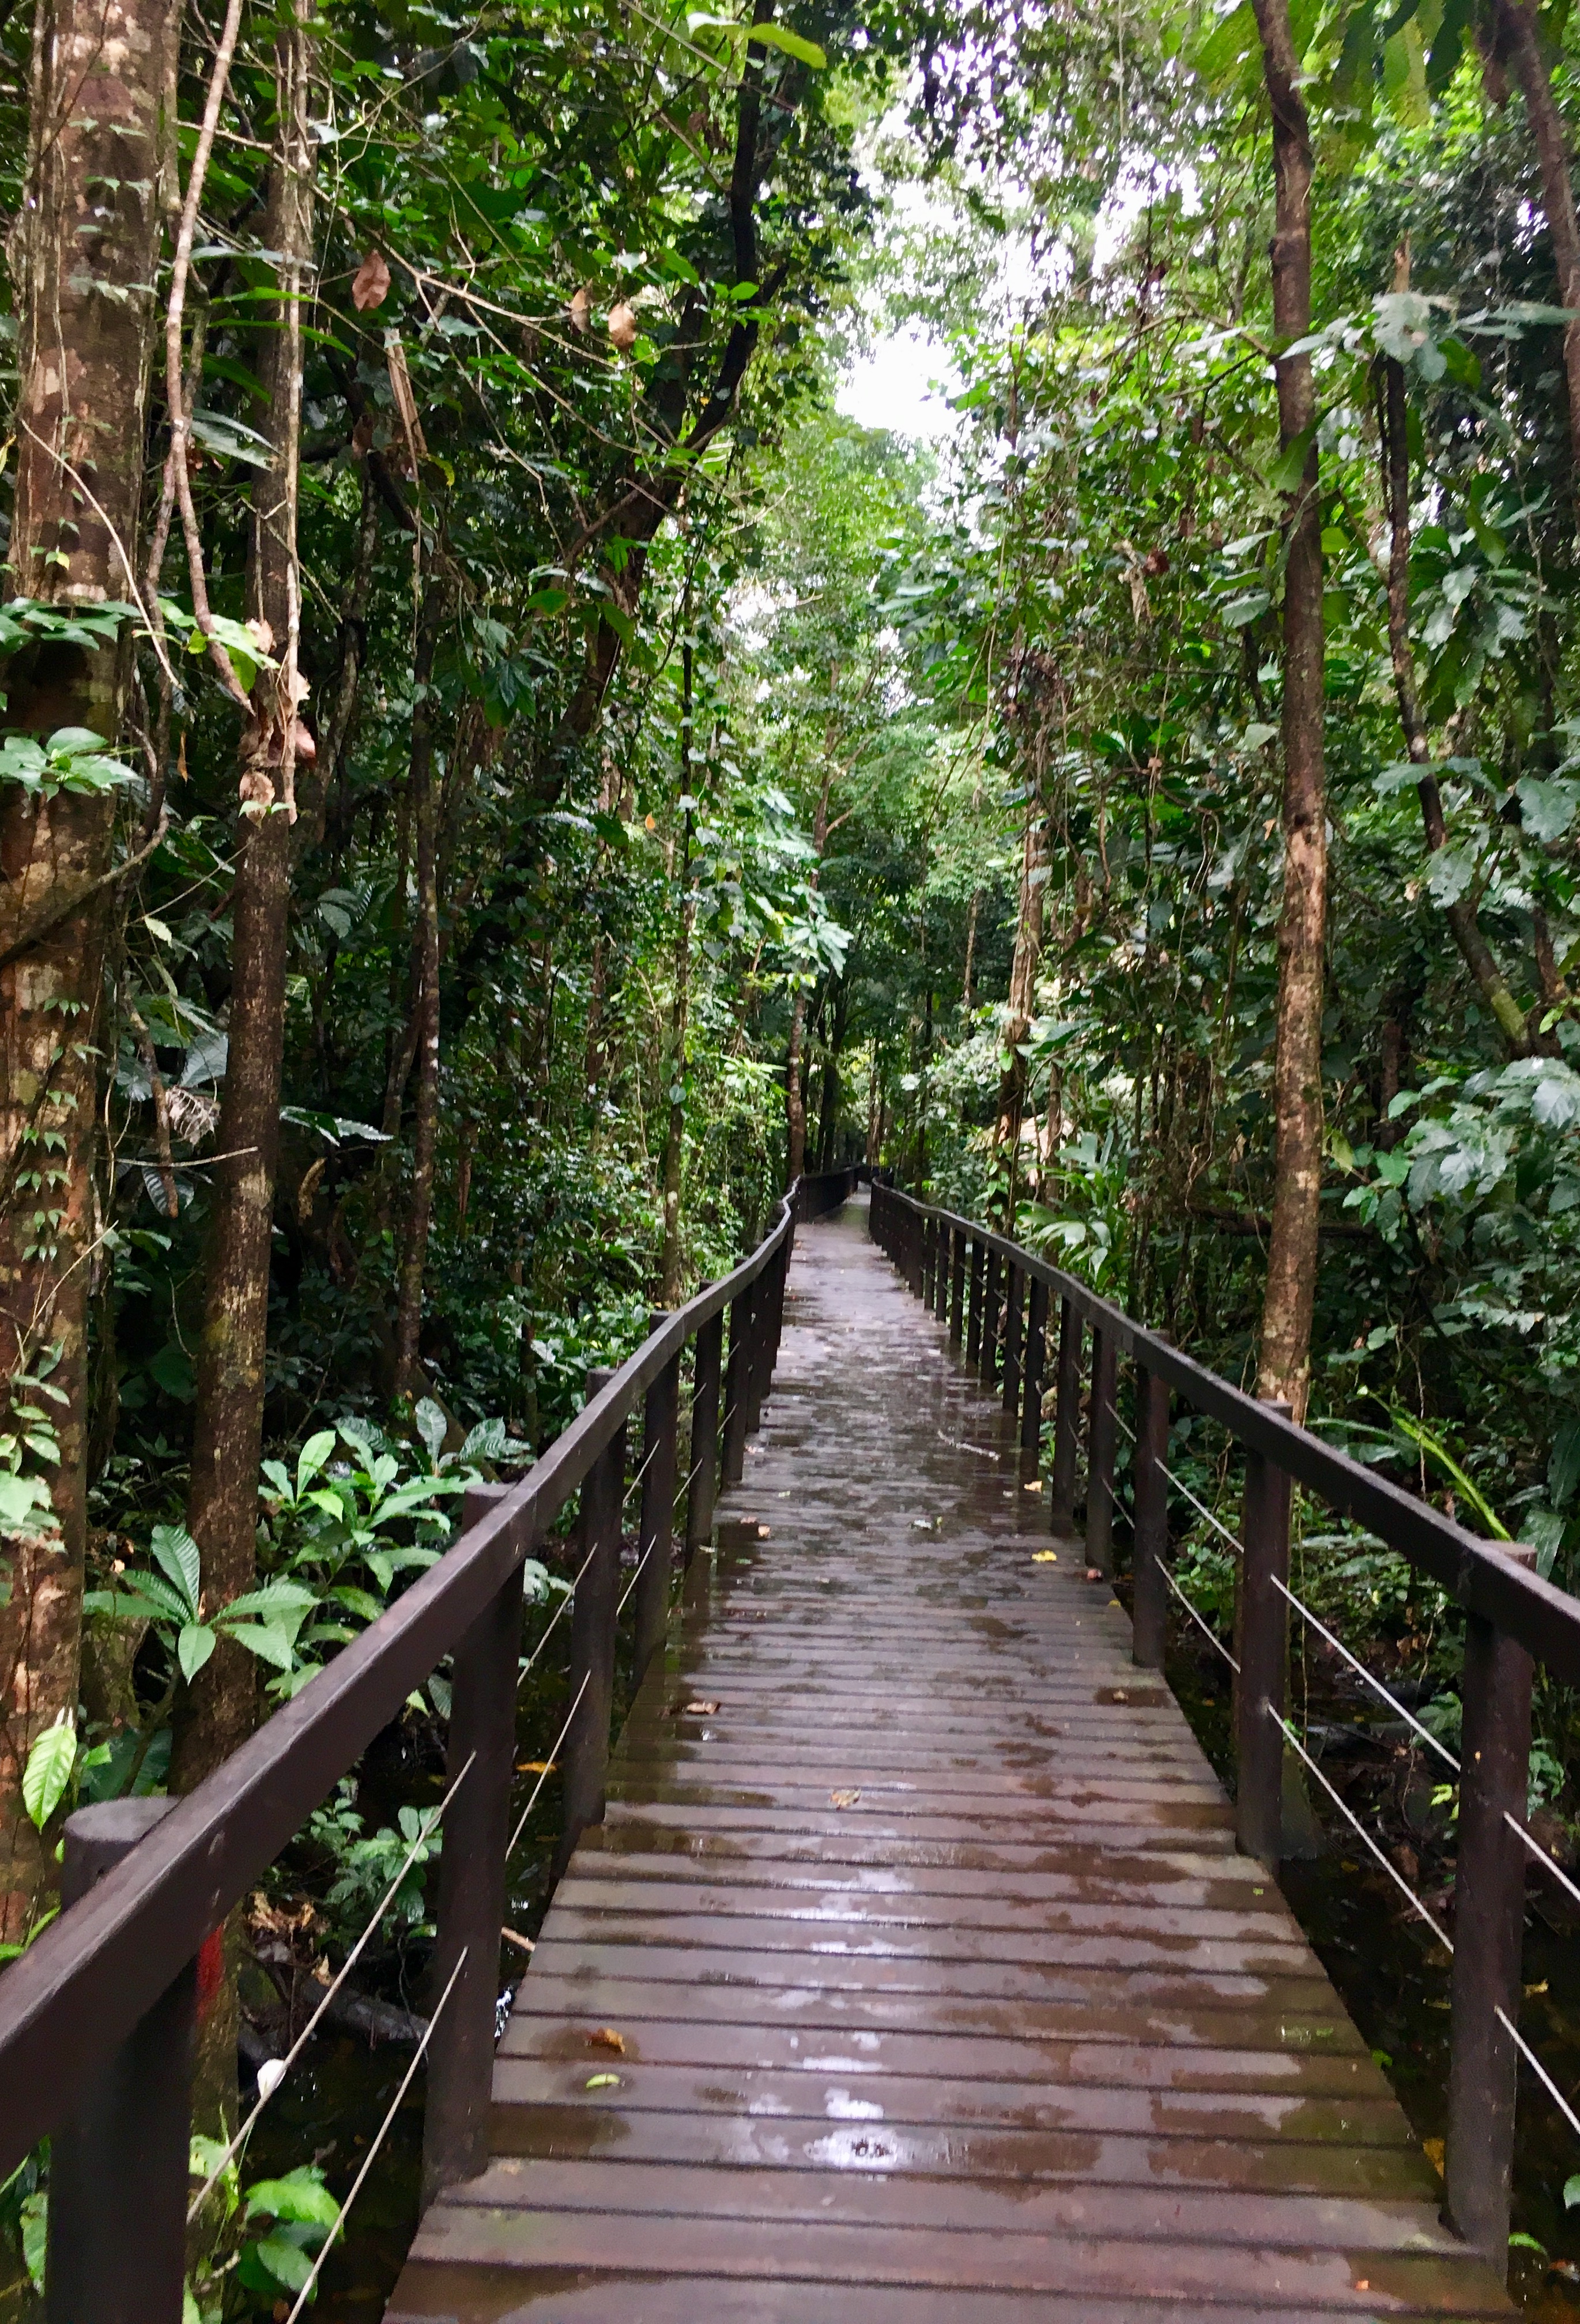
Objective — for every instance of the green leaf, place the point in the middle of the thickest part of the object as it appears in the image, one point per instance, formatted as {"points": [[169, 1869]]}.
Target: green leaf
{"points": [[286, 2262], [300, 2196], [48, 1771], [265, 1639], [313, 1455], [1547, 808], [177, 1554], [778, 36], [194, 1646], [1572, 2191], [1288, 469], [431, 1425]]}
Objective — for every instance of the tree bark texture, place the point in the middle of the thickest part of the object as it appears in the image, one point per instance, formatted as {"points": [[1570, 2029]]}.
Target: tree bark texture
{"points": [[1519, 42], [679, 1004], [218, 1711], [424, 797], [795, 1096], [1291, 1268], [1022, 1000], [83, 252]]}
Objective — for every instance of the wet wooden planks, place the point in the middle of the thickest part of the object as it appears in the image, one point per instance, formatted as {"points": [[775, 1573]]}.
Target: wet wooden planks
{"points": [[942, 1992]]}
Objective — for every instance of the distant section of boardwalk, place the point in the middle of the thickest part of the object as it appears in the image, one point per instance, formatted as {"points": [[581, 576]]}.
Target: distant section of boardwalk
{"points": [[944, 1997]]}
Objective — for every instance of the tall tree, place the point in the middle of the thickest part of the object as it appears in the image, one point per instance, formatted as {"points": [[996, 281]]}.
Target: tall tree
{"points": [[83, 256], [1292, 1249], [220, 1704]]}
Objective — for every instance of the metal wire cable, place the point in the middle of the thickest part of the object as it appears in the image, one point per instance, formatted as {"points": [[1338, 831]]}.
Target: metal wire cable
{"points": [[1361, 1671], [302, 2038], [1233, 1540], [1541, 1856], [306, 2293], [569, 1595], [1120, 1422], [547, 1769], [640, 1473], [1200, 1619], [1537, 2069], [635, 1578], [1349, 1817]]}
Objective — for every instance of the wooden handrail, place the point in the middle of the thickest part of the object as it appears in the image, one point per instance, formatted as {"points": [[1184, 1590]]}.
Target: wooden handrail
{"points": [[75, 1996], [1514, 1618], [1544, 1618]]}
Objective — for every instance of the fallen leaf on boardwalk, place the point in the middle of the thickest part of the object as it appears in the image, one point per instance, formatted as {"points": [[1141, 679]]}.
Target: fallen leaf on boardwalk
{"points": [[1045, 1557], [536, 1766], [1034, 1487], [370, 285], [1118, 1694], [606, 2038], [603, 2081], [1093, 1574], [1432, 2148], [845, 1799], [1113, 1601], [1363, 2284], [701, 1709], [763, 1532]]}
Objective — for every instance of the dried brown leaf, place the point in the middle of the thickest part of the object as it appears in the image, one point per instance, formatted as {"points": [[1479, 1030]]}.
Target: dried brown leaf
{"points": [[370, 285]]}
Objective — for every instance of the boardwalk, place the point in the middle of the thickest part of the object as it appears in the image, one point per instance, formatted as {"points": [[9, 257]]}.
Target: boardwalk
{"points": [[944, 1995]]}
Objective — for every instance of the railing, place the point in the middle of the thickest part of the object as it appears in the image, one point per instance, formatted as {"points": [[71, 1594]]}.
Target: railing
{"points": [[994, 1297], [97, 2017], [823, 1191]]}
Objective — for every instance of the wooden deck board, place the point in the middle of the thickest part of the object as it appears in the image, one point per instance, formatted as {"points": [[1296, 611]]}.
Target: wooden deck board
{"points": [[943, 1993]]}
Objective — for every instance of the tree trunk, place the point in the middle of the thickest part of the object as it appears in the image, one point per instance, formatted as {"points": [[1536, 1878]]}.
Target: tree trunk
{"points": [[795, 1101], [1028, 959], [829, 1133], [1474, 949], [1519, 42], [218, 1711], [84, 249], [679, 1004], [424, 796], [215, 1714], [1291, 1268]]}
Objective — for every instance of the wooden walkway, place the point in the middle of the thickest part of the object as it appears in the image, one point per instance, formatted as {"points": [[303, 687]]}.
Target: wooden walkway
{"points": [[944, 1995]]}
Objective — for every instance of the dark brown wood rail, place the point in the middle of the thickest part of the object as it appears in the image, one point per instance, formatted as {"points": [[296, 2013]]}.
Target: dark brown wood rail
{"points": [[909, 1961], [96, 2017], [914, 1975]]}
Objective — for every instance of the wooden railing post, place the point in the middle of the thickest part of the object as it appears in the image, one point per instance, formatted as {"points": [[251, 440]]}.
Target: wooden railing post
{"points": [[926, 1236], [990, 1321], [757, 1342], [1036, 1358], [957, 1286], [974, 1320], [1014, 1293], [485, 1672], [1489, 1927], [941, 1272], [1066, 1421], [702, 1487], [117, 2221], [1149, 1603], [661, 1418], [1102, 1436], [1262, 1690], [738, 1390], [592, 1637]]}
